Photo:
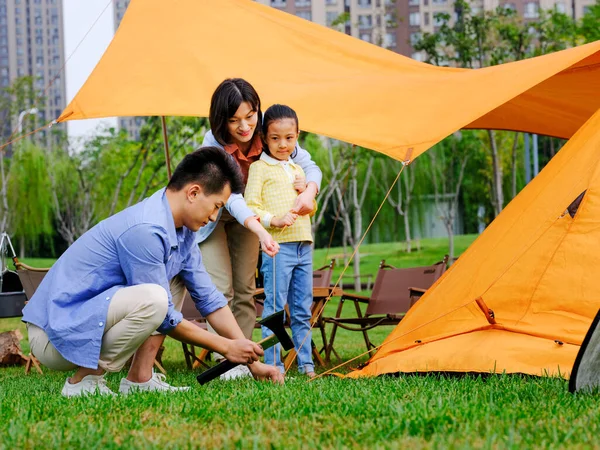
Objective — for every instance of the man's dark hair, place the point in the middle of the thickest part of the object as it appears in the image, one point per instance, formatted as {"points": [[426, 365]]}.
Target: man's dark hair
{"points": [[210, 167], [225, 101]]}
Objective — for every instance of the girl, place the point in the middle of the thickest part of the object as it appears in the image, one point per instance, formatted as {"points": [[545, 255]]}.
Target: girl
{"points": [[229, 245], [271, 193]]}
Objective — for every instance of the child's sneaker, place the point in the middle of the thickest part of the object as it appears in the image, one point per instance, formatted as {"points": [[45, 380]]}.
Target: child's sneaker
{"points": [[89, 385], [156, 383]]}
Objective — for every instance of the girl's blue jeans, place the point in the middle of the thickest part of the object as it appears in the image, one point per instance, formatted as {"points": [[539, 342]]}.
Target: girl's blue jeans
{"points": [[293, 285]]}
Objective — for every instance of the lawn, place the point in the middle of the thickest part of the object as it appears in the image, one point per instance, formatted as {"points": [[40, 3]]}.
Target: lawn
{"points": [[386, 412]]}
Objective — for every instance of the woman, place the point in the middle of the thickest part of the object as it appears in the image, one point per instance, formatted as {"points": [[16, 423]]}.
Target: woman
{"points": [[230, 245]]}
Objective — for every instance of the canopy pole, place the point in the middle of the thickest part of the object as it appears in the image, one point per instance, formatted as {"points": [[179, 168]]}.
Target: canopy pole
{"points": [[166, 142]]}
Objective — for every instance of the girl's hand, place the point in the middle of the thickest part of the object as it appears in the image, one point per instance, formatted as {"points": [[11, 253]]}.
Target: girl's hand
{"points": [[268, 244], [285, 221], [300, 184]]}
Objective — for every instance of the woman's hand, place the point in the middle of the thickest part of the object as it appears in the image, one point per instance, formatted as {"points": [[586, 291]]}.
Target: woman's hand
{"points": [[305, 201], [268, 244]]}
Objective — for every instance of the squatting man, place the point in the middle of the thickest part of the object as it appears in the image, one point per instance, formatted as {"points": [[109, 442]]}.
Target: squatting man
{"points": [[118, 290]]}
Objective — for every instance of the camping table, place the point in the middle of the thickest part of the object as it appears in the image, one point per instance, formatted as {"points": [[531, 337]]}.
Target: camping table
{"points": [[320, 295]]}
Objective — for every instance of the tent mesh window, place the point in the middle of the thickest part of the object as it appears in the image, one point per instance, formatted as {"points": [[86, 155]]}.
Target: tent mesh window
{"points": [[574, 206]]}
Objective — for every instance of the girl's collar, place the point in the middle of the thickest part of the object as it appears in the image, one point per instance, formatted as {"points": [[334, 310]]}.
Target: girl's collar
{"points": [[274, 161]]}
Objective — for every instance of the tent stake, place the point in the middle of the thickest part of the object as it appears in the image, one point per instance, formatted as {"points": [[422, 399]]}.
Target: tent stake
{"points": [[166, 142]]}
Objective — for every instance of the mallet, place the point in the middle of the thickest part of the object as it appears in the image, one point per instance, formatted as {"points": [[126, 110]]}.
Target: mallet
{"points": [[275, 323]]}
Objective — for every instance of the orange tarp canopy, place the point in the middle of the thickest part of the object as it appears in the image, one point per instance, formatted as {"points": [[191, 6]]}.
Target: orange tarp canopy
{"points": [[167, 58], [535, 267]]}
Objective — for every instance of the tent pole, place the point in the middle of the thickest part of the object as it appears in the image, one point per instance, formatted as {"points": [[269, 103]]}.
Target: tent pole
{"points": [[166, 142], [527, 160]]}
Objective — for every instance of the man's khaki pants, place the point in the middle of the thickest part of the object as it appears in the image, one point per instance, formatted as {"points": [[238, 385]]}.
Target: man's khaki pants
{"points": [[134, 314], [230, 255]]}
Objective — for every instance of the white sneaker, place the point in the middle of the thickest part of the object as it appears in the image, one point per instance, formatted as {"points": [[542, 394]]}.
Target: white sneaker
{"points": [[89, 385], [156, 383], [240, 371]]}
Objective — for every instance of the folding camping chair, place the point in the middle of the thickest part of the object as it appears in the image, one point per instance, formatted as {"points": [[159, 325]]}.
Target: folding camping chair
{"points": [[388, 303], [30, 278], [191, 313], [322, 278]]}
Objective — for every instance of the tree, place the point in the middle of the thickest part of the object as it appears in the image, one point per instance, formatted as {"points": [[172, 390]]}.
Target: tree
{"points": [[447, 163], [72, 180], [489, 38], [19, 96], [29, 199], [590, 23]]}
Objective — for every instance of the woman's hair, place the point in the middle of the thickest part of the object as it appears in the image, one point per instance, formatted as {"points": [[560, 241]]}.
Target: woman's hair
{"points": [[277, 112], [225, 101], [210, 167]]}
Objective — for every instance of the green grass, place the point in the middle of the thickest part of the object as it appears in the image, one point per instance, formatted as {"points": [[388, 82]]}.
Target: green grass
{"points": [[387, 412]]}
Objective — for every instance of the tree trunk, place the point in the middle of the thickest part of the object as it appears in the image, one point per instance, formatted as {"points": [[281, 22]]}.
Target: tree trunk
{"points": [[357, 235], [357, 227], [22, 247], [497, 177], [408, 188], [514, 165], [407, 231], [10, 349], [450, 231], [5, 216]]}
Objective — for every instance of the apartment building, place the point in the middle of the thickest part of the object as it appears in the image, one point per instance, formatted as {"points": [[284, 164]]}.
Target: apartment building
{"points": [[130, 124], [396, 24], [373, 21], [32, 44]]}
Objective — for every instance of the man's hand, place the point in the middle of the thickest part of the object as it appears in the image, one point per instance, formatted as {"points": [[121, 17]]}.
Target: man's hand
{"points": [[262, 372], [268, 244], [285, 221], [305, 202], [300, 183], [243, 351]]}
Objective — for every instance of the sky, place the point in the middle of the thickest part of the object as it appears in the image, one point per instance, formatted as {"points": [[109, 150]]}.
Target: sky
{"points": [[79, 16]]}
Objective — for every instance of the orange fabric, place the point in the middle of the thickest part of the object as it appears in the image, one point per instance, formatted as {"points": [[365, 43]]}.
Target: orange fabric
{"points": [[535, 267], [167, 60]]}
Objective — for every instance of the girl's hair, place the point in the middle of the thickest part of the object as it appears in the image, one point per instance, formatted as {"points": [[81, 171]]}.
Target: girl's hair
{"points": [[225, 101], [277, 112]]}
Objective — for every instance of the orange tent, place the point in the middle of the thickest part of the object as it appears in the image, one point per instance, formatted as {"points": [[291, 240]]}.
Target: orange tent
{"points": [[536, 267], [167, 60]]}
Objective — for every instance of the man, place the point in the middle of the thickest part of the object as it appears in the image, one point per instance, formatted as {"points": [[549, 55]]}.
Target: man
{"points": [[119, 288]]}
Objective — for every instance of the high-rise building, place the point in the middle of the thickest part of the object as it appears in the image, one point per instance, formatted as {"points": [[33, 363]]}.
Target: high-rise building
{"points": [[373, 21], [131, 124], [396, 24], [32, 44]]}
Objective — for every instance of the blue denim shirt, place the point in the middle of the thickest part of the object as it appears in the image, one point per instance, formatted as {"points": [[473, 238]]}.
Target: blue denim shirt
{"points": [[236, 205], [138, 245]]}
